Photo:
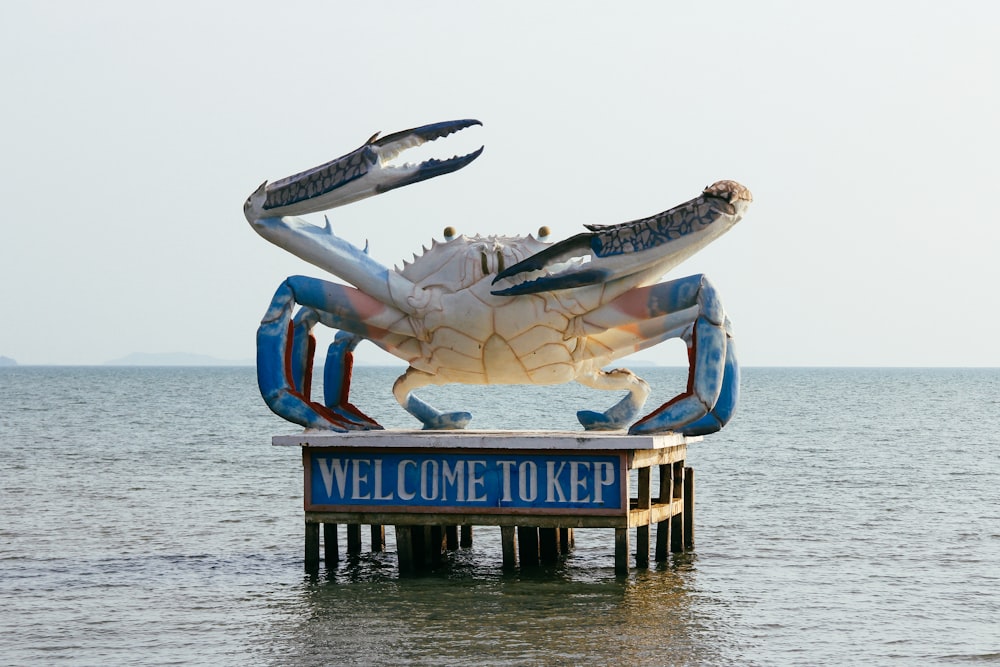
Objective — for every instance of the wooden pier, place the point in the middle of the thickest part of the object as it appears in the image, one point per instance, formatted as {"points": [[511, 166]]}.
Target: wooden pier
{"points": [[536, 486]]}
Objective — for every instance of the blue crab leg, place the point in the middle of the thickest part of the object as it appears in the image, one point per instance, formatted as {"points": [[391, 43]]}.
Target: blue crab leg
{"points": [[725, 406], [688, 308], [285, 350]]}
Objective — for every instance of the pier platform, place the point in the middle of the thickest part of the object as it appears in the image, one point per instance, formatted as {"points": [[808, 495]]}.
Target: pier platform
{"points": [[536, 486]]}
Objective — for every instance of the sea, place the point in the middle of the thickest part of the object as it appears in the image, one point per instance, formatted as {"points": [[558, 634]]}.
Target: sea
{"points": [[846, 516]]}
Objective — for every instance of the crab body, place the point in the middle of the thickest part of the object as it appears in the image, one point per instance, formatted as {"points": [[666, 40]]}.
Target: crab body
{"points": [[492, 309], [474, 337]]}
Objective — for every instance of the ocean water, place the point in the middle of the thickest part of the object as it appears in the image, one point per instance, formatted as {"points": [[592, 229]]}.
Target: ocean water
{"points": [[846, 516]]}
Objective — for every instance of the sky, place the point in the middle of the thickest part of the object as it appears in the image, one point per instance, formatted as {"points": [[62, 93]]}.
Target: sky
{"points": [[868, 132]]}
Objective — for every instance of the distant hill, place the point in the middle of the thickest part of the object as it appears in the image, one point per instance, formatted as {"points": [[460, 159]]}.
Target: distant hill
{"points": [[7, 361], [175, 359]]}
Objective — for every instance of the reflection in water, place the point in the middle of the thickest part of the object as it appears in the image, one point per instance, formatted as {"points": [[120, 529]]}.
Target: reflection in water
{"points": [[470, 612]]}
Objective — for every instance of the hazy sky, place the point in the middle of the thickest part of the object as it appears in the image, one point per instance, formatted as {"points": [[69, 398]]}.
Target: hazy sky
{"points": [[869, 133]]}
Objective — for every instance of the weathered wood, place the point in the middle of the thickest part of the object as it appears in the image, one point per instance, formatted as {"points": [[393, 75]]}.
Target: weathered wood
{"points": [[621, 551], [688, 508], [677, 521], [419, 536], [508, 544], [566, 541], [436, 544], [353, 539], [642, 531], [378, 538], [527, 537], [404, 549], [451, 537], [548, 545], [466, 541], [331, 553], [666, 488], [644, 458], [654, 514], [312, 547]]}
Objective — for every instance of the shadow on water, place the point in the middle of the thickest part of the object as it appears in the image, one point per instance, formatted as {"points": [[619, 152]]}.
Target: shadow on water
{"points": [[471, 612]]}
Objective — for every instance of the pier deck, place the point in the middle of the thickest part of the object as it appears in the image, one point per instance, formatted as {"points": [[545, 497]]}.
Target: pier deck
{"points": [[537, 486]]}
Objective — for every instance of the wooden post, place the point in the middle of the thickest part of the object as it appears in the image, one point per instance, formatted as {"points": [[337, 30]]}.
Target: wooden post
{"points": [[527, 537], [353, 539], [435, 544], [663, 528], [404, 549], [466, 542], [312, 546], [508, 543], [688, 508], [420, 536], [378, 538], [621, 551], [451, 537], [642, 532], [548, 544], [331, 553], [563, 538], [677, 521]]}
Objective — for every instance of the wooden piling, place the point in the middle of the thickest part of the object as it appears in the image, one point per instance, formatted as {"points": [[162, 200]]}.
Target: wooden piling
{"points": [[665, 496], [688, 508], [378, 538], [331, 553], [436, 545], [527, 538], [508, 544], [404, 549], [548, 545], [621, 551], [353, 539], [312, 546], [466, 541], [677, 520], [643, 502]]}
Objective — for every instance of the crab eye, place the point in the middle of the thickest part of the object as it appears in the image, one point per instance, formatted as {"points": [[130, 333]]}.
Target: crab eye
{"points": [[449, 233], [543, 231]]}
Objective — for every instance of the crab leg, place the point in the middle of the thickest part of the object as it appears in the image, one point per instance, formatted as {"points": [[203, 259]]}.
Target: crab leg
{"points": [[688, 308], [429, 416], [619, 415], [285, 350]]}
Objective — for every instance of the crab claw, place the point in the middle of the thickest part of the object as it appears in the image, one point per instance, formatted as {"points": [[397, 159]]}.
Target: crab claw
{"points": [[607, 252], [359, 174]]}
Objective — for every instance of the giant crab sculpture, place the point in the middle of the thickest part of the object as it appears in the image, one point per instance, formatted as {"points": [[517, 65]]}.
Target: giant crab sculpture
{"points": [[493, 309]]}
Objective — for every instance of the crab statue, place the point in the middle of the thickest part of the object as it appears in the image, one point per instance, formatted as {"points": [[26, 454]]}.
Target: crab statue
{"points": [[493, 309]]}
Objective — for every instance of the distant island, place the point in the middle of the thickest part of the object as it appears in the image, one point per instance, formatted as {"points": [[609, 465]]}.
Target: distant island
{"points": [[175, 359], [7, 361]]}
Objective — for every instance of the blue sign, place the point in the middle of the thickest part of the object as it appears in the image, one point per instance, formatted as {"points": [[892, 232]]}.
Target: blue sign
{"points": [[470, 481]]}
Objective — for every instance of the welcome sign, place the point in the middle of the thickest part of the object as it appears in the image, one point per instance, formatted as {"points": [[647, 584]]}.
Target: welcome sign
{"points": [[466, 481]]}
